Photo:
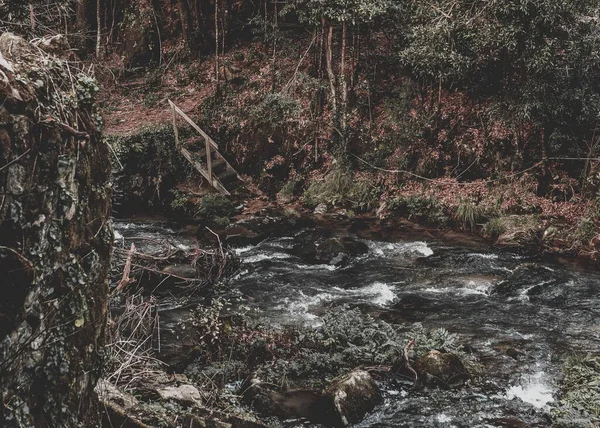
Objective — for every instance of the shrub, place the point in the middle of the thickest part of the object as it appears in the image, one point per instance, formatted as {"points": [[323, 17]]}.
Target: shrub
{"points": [[339, 189], [427, 209], [495, 227], [467, 213], [214, 206]]}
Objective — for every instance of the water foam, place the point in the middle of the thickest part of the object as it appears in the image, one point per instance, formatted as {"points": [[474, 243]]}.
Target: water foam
{"points": [[383, 249], [534, 391], [266, 256], [300, 306]]}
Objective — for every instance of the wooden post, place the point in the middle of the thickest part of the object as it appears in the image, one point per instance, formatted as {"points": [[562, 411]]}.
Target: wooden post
{"points": [[209, 159], [174, 124]]}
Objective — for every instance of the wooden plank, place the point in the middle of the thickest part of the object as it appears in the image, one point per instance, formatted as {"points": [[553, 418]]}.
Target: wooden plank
{"points": [[214, 182], [193, 124]]}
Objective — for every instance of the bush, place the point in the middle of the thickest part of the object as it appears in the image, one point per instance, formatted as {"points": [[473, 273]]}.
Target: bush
{"points": [[339, 189], [214, 206], [467, 213], [427, 209]]}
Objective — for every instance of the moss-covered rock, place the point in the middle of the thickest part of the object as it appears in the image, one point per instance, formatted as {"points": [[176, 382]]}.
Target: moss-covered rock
{"points": [[441, 369], [55, 240]]}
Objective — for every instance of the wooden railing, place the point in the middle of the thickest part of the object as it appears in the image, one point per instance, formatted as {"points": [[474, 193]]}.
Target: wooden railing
{"points": [[209, 145]]}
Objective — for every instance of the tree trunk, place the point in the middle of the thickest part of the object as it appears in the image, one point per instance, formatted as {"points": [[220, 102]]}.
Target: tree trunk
{"points": [[184, 17], [98, 28], [329, 65], [32, 16], [217, 45], [81, 13], [344, 84]]}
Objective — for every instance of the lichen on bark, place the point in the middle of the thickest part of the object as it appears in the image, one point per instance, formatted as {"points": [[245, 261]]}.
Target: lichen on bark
{"points": [[55, 239]]}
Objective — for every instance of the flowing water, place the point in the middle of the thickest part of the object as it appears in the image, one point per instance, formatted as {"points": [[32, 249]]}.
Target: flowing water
{"points": [[520, 316]]}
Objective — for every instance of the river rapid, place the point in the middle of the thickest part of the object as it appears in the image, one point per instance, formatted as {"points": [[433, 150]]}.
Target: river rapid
{"points": [[521, 317]]}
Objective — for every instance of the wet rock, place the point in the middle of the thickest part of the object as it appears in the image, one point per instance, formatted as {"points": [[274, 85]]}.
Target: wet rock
{"points": [[519, 231], [441, 369], [309, 404], [320, 209], [345, 401], [339, 250], [354, 395]]}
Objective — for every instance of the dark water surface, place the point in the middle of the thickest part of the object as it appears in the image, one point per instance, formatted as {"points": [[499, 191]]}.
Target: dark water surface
{"points": [[521, 317]]}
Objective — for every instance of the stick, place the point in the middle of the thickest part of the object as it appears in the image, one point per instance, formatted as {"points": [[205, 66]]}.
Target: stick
{"points": [[126, 280], [407, 362]]}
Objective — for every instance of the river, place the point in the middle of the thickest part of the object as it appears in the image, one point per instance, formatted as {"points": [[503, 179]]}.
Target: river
{"points": [[520, 316]]}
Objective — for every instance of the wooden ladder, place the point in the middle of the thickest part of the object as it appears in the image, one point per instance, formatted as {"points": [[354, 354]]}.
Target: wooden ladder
{"points": [[208, 161]]}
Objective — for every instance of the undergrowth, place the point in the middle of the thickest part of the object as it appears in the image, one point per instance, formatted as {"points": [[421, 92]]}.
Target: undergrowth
{"points": [[339, 189], [426, 209]]}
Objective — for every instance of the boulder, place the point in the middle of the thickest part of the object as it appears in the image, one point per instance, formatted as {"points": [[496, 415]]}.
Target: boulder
{"points": [[320, 209], [345, 401], [354, 395], [441, 369], [339, 251], [182, 394], [181, 270]]}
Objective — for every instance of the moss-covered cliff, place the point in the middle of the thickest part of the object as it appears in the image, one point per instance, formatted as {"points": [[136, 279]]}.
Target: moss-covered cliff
{"points": [[55, 239]]}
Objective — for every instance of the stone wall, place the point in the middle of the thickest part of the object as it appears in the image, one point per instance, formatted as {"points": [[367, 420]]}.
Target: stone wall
{"points": [[55, 239]]}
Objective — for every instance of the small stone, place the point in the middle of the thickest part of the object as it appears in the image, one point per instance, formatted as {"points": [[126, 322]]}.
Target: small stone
{"points": [[320, 209]]}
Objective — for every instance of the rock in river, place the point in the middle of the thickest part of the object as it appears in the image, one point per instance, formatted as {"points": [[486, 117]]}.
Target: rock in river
{"points": [[441, 369]]}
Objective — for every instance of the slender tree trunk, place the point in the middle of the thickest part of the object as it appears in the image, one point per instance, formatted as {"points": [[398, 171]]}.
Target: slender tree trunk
{"points": [[99, 28], [32, 16], [344, 85], [330, 74], [82, 17], [217, 44], [273, 63]]}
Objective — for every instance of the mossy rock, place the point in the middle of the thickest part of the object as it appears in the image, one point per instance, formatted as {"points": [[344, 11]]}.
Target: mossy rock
{"points": [[441, 369]]}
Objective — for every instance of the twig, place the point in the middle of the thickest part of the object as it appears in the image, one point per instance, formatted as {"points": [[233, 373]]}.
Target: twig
{"points": [[406, 360], [15, 160]]}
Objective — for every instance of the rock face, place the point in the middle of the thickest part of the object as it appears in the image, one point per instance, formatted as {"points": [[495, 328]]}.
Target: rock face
{"points": [[55, 240]]}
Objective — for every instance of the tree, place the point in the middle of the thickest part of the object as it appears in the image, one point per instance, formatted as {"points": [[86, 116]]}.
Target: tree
{"points": [[534, 60], [339, 17]]}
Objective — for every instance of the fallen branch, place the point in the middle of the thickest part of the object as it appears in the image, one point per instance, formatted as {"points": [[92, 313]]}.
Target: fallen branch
{"points": [[406, 360], [126, 280]]}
